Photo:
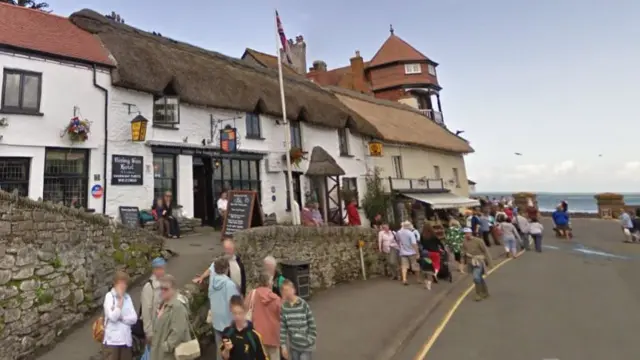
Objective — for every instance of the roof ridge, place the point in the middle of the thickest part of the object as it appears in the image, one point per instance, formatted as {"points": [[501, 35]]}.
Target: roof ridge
{"points": [[372, 99], [35, 10]]}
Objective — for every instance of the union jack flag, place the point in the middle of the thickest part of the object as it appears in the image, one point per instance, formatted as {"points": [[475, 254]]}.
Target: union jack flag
{"points": [[283, 39]]}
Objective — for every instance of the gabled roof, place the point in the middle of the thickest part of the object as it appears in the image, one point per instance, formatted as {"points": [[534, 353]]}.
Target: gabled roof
{"points": [[395, 49], [268, 61], [149, 63], [402, 124], [34, 30]]}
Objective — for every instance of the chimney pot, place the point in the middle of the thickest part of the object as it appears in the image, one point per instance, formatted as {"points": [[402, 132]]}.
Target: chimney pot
{"points": [[319, 65], [357, 53]]}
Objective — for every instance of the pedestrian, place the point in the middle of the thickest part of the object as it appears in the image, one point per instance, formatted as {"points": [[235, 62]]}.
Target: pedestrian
{"points": [[240, 341], [478, 259], [353, 216], [236, 267], [485, 226], [298, 330], [119, 317], [388, 245], [271, 267], [522, 225], [536, 229], [150, 300], [510, 236], [171, 327], [427, 269], [264, 306], [627, 225], [433, 246], [408, 250], [453, 238], [561, 222]]}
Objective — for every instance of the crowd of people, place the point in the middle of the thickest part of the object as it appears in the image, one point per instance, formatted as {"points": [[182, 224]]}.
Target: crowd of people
{"points": [[270, 322]]}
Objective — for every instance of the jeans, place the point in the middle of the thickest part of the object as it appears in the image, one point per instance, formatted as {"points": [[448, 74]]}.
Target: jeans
{"points": [[537, 239], [299, 355], [510, 245], [476, 273], [218, 336]]}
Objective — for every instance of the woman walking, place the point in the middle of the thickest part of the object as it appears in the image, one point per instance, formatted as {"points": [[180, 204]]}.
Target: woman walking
{"points": [[388, 245], [264, 306], [119, 317], [535, 230], [453, 238], [509, 235], [432, 244]]}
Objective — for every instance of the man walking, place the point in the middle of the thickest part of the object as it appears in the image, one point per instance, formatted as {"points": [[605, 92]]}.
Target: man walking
{"points": [[477, 258], [408, 249], [150, 298]]}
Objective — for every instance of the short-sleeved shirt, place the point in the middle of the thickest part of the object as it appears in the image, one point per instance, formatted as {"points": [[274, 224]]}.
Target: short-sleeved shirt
{"points": [[407, 242], [626, 222]]}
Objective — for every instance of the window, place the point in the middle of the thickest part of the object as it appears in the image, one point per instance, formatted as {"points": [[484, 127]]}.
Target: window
{"points": [[14, 175], [166, 111], [343, 138], [397, 166], [436, 172], [164, 176], [456, 177], [412, 69], [66, 176], [296, 136], [351, 185], [253, 125], [297, 189], [21, 91], [236, 174], [431, 69]]}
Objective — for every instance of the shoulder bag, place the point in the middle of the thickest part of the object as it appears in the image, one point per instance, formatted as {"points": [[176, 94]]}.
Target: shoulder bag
{"points": [[249, 315], [188, 350]]}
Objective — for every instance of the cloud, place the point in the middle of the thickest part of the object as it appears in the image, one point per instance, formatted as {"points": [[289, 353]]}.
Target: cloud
{"points": [[526, 170], [564, 167], [629, 169]]}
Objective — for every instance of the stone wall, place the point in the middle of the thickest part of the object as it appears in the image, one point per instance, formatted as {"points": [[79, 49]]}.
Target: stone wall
{"points": [[332, 251], [56, 264]]}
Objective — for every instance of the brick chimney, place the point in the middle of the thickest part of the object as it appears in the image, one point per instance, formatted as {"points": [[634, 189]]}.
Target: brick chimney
{"points": [[317, 72], [357, 73]]}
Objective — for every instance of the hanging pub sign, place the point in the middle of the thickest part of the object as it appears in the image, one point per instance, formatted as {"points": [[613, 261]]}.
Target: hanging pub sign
{"points": [[228, 140], [375, 148]]}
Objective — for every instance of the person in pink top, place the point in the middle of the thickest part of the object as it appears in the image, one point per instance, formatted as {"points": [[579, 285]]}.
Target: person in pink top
{"points": [[264, 306], [388, 245]]}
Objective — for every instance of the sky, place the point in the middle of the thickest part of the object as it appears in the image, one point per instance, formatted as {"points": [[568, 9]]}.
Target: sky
{"points": [[554, 80]]}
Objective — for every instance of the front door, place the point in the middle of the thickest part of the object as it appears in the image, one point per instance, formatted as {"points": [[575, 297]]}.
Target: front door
{"points": [[200, 192]]}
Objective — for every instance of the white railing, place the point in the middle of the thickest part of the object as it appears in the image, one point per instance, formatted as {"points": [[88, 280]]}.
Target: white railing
{"points": [[415, 184]]}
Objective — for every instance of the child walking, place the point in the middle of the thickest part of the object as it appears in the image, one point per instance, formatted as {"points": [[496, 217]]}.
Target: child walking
{"points": [[426, 268], [535, 229]]}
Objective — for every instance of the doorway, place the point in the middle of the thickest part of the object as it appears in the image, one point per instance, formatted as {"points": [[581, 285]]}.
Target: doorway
{"points": [[202, 196]]}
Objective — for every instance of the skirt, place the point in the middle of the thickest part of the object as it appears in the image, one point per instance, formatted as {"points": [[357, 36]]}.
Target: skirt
{"points": [[435, 260]]}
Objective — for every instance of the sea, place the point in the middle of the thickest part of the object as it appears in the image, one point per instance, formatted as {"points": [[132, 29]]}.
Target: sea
{"points": [[578, 202]]}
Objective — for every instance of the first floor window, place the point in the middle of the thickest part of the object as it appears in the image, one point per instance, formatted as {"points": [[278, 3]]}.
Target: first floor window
{"points": [[350, 184], [253, 125], [343, 139], [412, 69], [397, 166], [436, 172], [164, 176], [166, 111], [297, 189], [66, 176], [296, 136], [21, 91], [431, 69], [14, 175], [456, 177]]}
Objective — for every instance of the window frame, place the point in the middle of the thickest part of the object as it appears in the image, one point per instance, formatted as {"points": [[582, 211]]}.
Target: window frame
{"points": [[221, 183], [456, 177], [295, 128], [250, 134], [436, 172], [67, 177], [20, 109], [164, 124], [343, 142], [25, 183], [174, 179], [431, 69], [346, 185], [396, 162], [412, 68]]}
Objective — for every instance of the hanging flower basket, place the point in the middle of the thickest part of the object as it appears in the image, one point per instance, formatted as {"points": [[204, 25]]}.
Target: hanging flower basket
{"points": [[296, 155], [78, 130]]}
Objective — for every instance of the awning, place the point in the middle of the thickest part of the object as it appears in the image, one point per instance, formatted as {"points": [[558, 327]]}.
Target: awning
{"points": [[444, 200]]}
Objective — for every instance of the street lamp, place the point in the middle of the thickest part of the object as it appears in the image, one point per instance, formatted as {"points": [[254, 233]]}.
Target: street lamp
{"points": [[139, 128]]}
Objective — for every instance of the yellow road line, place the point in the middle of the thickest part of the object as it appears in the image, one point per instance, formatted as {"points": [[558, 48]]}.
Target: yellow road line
{"points": [[429, 344]]}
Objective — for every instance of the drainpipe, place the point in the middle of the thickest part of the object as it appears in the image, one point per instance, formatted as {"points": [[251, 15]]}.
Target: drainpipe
{"points": [[106, 137]]}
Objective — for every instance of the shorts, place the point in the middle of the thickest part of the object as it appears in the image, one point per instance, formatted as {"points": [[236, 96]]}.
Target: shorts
{"points": [[409, 262], [563, 227]]}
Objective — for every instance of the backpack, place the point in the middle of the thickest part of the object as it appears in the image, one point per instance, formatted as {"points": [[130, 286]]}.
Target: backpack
{"points": [[97, 329], [137, 330], [250, 336]]}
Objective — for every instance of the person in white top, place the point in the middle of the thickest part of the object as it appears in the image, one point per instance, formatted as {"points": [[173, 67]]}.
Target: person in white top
{"points": [[119, 317], [536, 229], [222, 204], [388, 245]]}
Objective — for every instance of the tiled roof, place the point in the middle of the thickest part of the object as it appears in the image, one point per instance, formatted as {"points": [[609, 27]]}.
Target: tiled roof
{"points": [[50, 34], [267, 60], [395, 49]]}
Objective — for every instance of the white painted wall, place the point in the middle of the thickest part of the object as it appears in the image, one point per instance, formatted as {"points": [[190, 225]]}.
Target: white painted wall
{"points": [[64, 86], [194, 127]]}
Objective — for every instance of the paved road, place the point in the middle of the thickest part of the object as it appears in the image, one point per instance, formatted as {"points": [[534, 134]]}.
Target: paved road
{"points": [[561, 304]]}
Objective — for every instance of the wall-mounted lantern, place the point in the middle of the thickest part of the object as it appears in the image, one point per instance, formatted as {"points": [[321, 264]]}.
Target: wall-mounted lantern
{"points": [[139, 128]]}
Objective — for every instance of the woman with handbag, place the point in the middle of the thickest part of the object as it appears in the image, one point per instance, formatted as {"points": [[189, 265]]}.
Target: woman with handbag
{"points": [[119, 317], [263, 307], [171, 330]]}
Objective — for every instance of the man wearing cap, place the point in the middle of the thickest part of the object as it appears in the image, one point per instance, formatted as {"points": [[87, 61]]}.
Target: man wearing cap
{"points": [[477, 257], [150, 298]]}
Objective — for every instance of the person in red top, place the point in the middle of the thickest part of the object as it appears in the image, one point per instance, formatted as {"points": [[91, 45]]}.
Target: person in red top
{"points": [[352, 214], [509, 211]]}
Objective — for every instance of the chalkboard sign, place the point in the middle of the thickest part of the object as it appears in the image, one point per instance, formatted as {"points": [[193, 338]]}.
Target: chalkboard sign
{"points": [[126, 170], [129, 216], [243, 212]]}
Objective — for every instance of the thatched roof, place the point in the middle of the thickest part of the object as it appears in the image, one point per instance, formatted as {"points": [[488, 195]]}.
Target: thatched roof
{"points": [[323, 164], [400, 123], [150, 63]]}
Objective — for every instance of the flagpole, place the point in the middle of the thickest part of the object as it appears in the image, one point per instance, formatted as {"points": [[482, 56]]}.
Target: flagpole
{"points": [[295, 207]]}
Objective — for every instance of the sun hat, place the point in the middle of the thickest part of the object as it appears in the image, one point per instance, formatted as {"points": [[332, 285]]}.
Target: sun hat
{"points": [[406, 225], [467, 230], [158, 262]]}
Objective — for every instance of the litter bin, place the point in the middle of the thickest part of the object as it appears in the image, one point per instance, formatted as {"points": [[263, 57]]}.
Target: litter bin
{"points": [[299, 273]]}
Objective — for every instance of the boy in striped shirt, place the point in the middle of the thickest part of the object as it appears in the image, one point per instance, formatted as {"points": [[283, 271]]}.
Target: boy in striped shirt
{"points": [[297, 325]]}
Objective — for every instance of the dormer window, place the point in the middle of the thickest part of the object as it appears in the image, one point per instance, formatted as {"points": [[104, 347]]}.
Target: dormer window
{"points": [[431, 69], [412, 69], [343, 139], [253, 125], [166, 111]]}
